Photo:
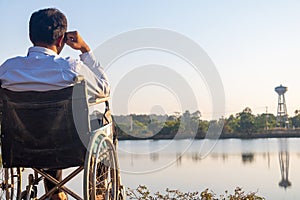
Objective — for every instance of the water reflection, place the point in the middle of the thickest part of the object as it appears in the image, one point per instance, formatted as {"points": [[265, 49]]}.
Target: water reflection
{"points": [[195, 156], [264, 165], [178, 159], [154, 156], [247, 158], [284, 162]]}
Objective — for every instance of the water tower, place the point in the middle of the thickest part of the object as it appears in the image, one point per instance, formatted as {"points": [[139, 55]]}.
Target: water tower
{"points": [[282, 116]]}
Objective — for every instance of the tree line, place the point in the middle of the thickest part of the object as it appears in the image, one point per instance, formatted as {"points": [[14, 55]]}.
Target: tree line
{"points": [[191, 125]]}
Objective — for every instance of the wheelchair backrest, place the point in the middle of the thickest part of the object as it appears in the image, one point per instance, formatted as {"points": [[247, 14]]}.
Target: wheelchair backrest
{"points": [[45, 129]]}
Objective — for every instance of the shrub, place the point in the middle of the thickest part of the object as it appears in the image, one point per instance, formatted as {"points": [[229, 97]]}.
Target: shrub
{"points": [[143, 193]]}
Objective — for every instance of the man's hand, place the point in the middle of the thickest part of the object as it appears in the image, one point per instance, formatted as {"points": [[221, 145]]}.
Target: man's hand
{"points": [[75, 41]]}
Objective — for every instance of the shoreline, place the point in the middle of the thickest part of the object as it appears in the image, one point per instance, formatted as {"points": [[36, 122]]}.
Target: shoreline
{"points": [[261, 135]]}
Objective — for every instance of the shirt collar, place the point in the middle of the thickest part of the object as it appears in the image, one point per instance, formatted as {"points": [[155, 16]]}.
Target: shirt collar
{"points": [[42, 50]]}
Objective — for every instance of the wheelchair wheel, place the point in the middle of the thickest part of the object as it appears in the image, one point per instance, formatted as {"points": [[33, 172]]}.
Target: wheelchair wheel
{"points": [[101, 168], [11, 179]]}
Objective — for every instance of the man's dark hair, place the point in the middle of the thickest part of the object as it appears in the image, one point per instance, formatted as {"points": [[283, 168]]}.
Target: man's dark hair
{"points": [[47, 25]]}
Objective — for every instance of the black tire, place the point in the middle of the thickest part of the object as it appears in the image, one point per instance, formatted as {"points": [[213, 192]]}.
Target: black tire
{"points": [[101, 169], [10, 180]]}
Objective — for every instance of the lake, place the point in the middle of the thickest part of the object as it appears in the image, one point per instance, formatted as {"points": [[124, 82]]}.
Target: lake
{"points": [[268, 166]]}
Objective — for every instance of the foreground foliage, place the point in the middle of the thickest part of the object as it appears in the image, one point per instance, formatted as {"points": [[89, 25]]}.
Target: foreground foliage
{"points": [[143, 193]]}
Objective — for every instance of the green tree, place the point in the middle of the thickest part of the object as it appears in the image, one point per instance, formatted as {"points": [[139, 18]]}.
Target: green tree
{"points": [[265, 122], [155, 126], [246, 121], [296, 120], [186, 120], [231, 125], [271, 121]]}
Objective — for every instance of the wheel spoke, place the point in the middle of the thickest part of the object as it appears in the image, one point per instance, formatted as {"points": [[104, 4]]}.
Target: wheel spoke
{"points": [[103, 171]]}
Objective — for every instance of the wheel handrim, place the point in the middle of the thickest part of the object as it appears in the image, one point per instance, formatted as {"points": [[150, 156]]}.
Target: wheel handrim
{"points": [[104, 171]]}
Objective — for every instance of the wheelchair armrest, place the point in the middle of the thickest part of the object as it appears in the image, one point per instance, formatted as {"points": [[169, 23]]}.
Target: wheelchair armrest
{"points": [[95, 99]]}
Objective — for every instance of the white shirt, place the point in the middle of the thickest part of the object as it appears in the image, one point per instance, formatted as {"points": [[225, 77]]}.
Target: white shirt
{"points": [[43, 69]]}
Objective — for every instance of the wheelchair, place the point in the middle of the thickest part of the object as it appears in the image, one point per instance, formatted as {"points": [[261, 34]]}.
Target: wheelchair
{"points": [[55, 130]]}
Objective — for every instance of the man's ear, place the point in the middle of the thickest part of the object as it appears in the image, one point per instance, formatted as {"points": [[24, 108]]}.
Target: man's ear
{"points": [[60, 41]]}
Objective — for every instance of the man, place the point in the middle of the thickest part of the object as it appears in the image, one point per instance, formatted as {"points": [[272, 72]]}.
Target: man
{"points": [[43, 69]]}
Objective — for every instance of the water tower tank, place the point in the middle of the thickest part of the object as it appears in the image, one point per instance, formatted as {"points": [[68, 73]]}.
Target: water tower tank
{"points": [[281, 89]]}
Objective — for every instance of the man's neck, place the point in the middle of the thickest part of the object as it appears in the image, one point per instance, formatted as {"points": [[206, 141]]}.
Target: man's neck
{"points": [[52, 47]]}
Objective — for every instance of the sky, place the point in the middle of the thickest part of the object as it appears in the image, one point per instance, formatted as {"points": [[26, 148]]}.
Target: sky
{"points": [[254, 45]]}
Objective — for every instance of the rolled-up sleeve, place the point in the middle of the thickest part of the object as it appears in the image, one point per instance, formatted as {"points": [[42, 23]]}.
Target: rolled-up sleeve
{"points": [[94, 74]]}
